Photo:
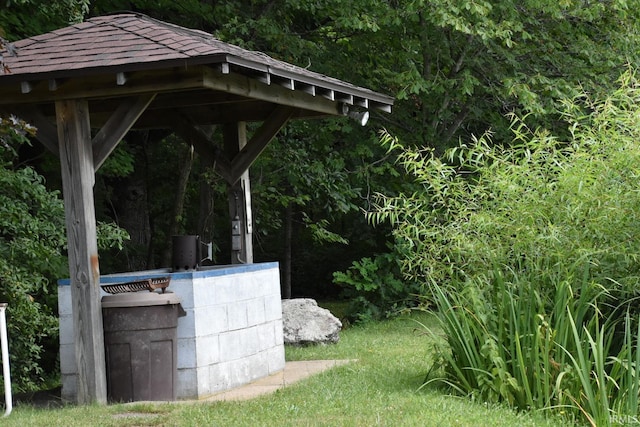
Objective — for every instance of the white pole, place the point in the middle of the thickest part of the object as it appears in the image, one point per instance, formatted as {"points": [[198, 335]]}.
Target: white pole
{"points": [[6, 374]]}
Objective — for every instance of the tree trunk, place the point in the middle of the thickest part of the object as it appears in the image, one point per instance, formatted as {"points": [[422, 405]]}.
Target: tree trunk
{"points": [[132, 208], [206, 205], [205, 212], [178, 204]]}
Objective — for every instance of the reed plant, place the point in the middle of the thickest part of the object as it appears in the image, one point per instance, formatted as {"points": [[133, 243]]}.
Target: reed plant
{"points": [[529, 251], [504, 343]]}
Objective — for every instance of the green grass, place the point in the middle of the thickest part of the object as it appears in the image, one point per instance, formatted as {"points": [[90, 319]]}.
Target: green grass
{"points": [[382, 387]]}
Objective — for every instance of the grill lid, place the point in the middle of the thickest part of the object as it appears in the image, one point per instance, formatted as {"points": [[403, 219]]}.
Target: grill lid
{"points": [[138, 285]]}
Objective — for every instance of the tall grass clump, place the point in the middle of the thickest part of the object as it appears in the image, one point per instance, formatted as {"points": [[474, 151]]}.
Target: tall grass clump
{"points": [[529, 250]]}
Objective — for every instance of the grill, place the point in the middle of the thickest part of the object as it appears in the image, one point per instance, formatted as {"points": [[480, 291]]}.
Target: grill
{"points": [[138, 285]]}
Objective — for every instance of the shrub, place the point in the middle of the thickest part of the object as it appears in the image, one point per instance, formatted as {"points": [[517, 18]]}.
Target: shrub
{"points": [[531, 251], [32, 230], [32, 258], [376, 289]]}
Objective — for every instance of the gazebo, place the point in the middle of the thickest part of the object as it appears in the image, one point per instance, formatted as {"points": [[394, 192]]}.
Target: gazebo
{"points": [[85, 86]]}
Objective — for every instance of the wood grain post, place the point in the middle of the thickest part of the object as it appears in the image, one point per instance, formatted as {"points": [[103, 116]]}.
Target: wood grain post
{"points": [[76, 158], [239, 193]]}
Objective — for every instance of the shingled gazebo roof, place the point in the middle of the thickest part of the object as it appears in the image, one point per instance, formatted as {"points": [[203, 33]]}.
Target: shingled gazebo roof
{"points": [[128, 53]]}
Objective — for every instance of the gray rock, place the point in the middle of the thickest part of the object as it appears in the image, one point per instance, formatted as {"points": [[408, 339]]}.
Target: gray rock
{"points": [[306, 323]]}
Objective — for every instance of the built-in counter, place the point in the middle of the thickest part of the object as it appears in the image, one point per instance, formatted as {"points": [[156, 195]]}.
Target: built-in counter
{"points": [[231, 334]]}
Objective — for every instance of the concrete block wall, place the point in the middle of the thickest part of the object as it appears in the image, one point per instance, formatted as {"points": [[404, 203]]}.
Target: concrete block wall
{"points": [[68, 369], [231, 335]]}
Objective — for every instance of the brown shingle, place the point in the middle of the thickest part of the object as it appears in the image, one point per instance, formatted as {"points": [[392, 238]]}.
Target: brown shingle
{"points": [[127, 41], [112, 39]]}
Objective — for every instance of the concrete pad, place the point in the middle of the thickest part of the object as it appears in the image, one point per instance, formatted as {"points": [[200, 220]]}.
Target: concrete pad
{"points": [[292, 373]]}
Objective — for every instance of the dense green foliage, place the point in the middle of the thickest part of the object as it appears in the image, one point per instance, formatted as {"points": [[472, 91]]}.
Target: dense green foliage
{"points": [[32, 17], [375, 288], [32, 259], [530, 252], [31, 243]]}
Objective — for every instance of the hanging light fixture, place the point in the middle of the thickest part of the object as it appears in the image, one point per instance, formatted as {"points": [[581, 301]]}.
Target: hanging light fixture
{"points": [[361, 117]]}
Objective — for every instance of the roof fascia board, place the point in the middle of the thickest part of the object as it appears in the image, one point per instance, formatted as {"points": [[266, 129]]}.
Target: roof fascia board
{"points": [[329, 88], [325, 84], [105, 86], [174, 63], [245, 86], [334, 85]]}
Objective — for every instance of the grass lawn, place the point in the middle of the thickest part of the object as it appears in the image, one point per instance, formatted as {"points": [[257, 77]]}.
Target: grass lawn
{"points": [[380, 388]]}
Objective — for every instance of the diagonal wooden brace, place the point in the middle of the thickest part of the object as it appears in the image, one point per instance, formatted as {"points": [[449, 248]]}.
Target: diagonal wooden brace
{"points": [[250, 152], [125, 116]]}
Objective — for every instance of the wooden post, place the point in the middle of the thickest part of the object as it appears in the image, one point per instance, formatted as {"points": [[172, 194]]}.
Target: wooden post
{"points": [[76, 158], [239, 193]]}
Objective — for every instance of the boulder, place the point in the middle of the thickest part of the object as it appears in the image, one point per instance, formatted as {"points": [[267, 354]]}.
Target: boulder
{"points": [[306, 323]]}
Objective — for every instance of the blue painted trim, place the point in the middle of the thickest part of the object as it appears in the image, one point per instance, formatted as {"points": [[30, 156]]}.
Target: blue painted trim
{"points": [[213, 271]]}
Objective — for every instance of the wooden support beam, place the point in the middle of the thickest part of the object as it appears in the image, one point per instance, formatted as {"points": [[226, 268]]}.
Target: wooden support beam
{"points": [[250, 152], [205, 148], [276, 94], [105, 86], [76, 158], [46, 132], [117, 126], [239, 196]]}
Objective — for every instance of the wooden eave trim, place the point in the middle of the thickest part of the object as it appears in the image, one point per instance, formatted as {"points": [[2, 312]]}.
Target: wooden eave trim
{"points": [[294, 93], [134, 67], [264, 72], [105, 86], [310, 84], [251, 88], [246, 64], [352, 94], [225, 63]]}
